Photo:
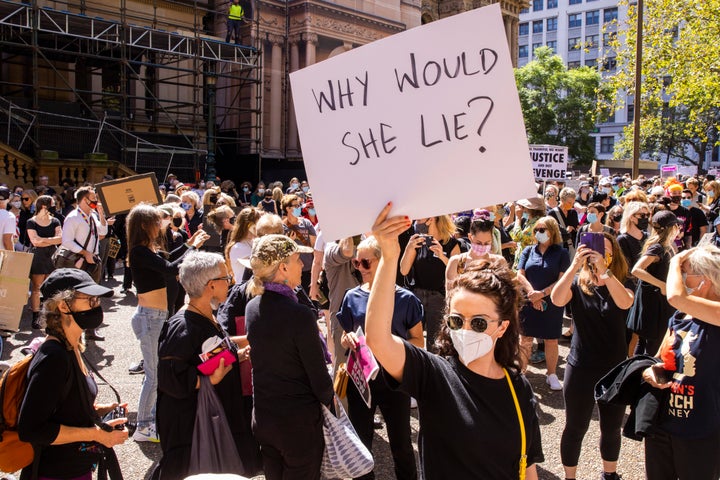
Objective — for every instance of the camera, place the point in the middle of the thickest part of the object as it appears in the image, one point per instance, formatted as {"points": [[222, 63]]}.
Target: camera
{"points": [[428, 240], [118, 412]]}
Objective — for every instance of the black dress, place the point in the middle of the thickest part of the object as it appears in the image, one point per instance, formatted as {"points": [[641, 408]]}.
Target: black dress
{"points": [[42, 263], [179, 349]]}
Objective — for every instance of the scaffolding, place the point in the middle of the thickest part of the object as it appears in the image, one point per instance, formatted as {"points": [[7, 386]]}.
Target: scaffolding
{"points": [[83, 77]]}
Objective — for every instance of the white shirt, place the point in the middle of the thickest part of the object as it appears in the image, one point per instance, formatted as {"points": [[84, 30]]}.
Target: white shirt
{"points": [[8, 225], [237, 251], [75, 232]]}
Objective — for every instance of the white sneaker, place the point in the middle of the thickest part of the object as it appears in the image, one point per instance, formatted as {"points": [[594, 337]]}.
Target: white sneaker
{"points": [[146, 434], [553, 381], [413, 402]]}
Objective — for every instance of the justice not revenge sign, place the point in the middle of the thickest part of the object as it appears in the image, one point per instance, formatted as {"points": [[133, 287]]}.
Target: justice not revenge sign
{"points": [[429, 119]]}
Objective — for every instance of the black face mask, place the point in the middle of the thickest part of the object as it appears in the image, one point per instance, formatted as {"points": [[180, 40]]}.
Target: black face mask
{"points": [[89, 319], [617, 218], [177, 221], [213, 199], [643, 223]]}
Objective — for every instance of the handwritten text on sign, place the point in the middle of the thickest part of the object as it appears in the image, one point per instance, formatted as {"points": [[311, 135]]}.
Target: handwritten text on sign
{"points": [[549, 162], [411, 114]]}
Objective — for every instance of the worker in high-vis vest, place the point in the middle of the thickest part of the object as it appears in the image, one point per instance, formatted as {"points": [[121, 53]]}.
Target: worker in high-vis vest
{"points": [[235, 19]]}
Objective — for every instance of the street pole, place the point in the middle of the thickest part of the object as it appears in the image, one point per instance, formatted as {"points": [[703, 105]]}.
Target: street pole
{"points": [[638, 91], [210, 173]]}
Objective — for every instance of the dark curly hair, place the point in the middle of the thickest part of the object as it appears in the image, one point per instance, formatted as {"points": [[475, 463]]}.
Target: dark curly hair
{"points": [[491, 278]]}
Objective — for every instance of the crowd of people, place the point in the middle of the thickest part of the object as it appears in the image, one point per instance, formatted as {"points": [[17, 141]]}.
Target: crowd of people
{"points": [[454, 307]]}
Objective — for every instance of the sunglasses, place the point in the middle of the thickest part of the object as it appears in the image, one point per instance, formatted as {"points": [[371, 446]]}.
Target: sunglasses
{"points": [[539, 230], [642, 215], [25, 199], [93, 301], [364, 263], [478, 323]]}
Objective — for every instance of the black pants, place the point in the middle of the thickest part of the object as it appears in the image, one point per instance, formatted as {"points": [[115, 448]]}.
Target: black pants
{"points": [[292, 453], [578, 391], [395, 408], [669, 457], [233, 28]]}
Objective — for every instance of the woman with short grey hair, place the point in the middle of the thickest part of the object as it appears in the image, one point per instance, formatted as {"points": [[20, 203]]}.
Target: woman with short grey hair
{"points": [[206, 279]]}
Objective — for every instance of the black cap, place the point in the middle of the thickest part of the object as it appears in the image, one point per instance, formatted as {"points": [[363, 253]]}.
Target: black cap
{"points": [[5, 193], [665, 219], [617, 180], [72, 279]]}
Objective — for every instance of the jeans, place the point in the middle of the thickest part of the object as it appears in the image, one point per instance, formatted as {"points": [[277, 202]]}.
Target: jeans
{"points": [[147, 324], [433, 303]]}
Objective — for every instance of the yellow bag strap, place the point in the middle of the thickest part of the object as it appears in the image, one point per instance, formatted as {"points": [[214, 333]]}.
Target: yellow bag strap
{"points": [[523, 439]]}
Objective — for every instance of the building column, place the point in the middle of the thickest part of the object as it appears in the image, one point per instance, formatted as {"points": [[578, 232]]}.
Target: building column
{"points": [[292, 121], [311, 41], [276, 75]]}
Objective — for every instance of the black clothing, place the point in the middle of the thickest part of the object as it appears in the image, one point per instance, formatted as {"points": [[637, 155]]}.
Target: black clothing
{"points": [[568, 220], [428, 270], [42, 263], [194, 222], [290, 381], [54, 398], [669, 457], [22, 220], [694, 222], [462, 414], [268, 206], [631, 247], [179, 348], [150, 270]]}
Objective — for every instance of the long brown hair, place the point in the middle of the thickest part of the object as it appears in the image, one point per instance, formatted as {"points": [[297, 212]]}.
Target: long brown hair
{"points": [[491, 278], [243, 221], [142, 223]]}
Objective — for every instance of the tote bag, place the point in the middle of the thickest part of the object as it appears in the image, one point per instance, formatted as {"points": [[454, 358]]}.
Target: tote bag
{"points": [[345, 455]]}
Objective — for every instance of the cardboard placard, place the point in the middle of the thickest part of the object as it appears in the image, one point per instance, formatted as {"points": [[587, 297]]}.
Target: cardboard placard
{"points": [[120, 196], [414, 113], [14, 286], [667, 171], [549, 161]]}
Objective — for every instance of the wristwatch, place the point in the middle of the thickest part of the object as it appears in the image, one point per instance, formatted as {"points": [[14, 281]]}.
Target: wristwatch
{"points": [[606, 275]]}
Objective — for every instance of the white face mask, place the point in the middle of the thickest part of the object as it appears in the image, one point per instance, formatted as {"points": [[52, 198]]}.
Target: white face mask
{"points": [[470, 344], [16, 204], [480, 249], [542, 237], [689, 290]]}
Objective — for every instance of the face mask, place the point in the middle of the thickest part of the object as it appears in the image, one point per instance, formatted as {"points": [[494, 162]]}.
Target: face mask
{"points": [[470, 344], [185, 206], [710, 194], [607, 190], [608, 258], [164, 223], [294, 186], [525, 215], [480, 249], [177, 222], [213, 199], [88, 319], [261, 191], [592, 217], [617, 218], [686, 202], [675, 199], [616, 187], [542, 237], [689, 290], [16, 204], [311, 211], [246, 189], [305, 189], [297, 211], [92, 205], [643, 223]]}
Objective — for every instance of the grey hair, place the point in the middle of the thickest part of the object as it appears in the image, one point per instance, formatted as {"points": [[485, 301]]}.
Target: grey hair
{"points": [[705, 261], [567, 192], [370, 243], [197, 270]]}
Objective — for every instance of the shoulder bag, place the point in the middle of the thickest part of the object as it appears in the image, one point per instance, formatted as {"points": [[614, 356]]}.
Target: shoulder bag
{"points": [[345, 455]]}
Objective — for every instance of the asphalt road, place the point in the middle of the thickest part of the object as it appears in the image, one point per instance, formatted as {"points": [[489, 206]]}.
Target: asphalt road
{"points": [[120, 349]]}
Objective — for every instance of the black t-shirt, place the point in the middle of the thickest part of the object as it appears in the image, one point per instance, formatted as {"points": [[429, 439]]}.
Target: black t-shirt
{"points": [[631, 247], [150, 270], [44, 232], [695, 221], [429, 271], [599, 339], [469, 426], [568, 220], [660, 268], [683, 215]]}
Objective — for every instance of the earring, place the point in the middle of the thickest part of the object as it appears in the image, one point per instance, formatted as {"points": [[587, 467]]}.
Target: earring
{"points": [[285, 281]]}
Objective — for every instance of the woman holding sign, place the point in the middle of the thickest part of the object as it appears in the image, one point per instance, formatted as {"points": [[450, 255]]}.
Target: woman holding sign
{"points": [[488, 427], [394, 405]]}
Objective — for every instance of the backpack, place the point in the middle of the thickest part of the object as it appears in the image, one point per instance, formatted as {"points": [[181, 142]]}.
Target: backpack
{"points": [[14, 453]]}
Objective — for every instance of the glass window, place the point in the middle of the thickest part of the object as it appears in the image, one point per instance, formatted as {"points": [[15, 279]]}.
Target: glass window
{"points": [[552, 44], [574, 43], [537, 5], [591, 62], [552, 4], [575, 64], [537, 26], [610, 64], [607, 144], [575, 2], [609, 37], [575, 20], [523, 51], [591, 41], [524, 10], [535, 46], [551, 24], [592, 17], [610, 14], [523, 29]]}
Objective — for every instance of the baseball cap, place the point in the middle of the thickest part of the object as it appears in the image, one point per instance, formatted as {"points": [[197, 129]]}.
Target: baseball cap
{"points": [[617, 180], [5, 193], [72, 279], [270, 250], [665, 219]]}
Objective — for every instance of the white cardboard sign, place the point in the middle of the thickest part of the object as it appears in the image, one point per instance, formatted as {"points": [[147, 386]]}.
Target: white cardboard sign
{"points": [[549, 161], [428, 118]]}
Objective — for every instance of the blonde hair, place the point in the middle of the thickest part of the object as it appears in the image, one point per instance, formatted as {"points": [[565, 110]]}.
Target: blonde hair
{"points": [[630, 209], [256, 285], [713, 185], [553, 229], [193, 197], [277, 194], [445, 228], [371, 244], [268, 224], [705, 261]]}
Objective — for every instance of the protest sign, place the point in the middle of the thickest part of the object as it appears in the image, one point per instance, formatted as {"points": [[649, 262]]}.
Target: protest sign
{"points": [[605, 172], [362, 367], [667, 171], [429, 113], [14, 286], [549, 162], [688, 170], [120, 196]]}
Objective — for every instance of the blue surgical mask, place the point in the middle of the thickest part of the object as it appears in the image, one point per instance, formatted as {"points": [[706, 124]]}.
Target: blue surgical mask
{"points": [[246, 189], [525, 215], [311, 211], [297, 211], [607, 190], [305, 189], [710, 194], [185, 206], [686, 202], [592, 217], [616, 187], [294, 186], [492, 217]]}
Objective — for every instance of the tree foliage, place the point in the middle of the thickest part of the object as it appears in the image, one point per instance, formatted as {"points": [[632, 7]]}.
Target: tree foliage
{"points": [[680, 97], [559, 105]]}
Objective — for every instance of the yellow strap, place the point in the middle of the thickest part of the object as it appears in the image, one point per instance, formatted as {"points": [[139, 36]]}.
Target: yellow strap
{"points": [[523, 441]]}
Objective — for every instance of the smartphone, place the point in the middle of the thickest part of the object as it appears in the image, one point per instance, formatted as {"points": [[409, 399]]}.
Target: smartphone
{"points": [[428, 240], [421, 228], [594, 241]]}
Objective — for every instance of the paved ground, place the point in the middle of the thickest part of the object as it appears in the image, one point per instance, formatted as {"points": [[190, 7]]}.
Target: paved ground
{"points": [[114, 355]]}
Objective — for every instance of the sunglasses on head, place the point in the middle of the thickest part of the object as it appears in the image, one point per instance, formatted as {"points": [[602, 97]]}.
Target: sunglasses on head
{"points": [[478, 323], [540, 230], [364, 263]]}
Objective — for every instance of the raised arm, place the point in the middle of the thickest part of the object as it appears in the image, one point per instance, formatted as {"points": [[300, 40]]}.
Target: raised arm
{"points": [[561, 293], [388, 349]]}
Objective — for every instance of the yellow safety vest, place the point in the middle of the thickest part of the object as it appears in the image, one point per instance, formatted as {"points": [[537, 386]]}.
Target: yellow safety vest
{"points": [[236, 12]]}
